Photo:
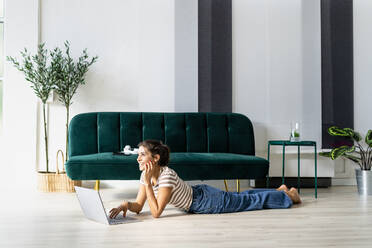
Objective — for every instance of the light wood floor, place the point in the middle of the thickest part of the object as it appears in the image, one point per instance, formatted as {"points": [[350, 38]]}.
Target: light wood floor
{"points": [[338, 218]]}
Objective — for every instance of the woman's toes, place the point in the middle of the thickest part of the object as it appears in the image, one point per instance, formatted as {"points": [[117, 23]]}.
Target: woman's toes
{"points": [[293, 189], [283, 187], [295, 196]]}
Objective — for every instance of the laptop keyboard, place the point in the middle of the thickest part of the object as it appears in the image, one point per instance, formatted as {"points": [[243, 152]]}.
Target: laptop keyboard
{"points": [[116, 221]]}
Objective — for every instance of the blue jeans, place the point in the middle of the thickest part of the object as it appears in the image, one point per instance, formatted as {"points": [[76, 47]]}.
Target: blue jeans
{"points": [[209, 200]]}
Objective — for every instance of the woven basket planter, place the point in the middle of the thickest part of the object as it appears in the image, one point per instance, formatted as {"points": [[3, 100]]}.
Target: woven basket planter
{"points": [[56, 182]]}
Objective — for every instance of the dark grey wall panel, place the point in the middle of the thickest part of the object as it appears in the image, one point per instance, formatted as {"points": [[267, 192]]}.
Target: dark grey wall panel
{"points": [[215, 56], [337, 68]]}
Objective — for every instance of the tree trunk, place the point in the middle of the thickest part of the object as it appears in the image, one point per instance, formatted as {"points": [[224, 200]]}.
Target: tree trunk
{"points": [[46, 140]]}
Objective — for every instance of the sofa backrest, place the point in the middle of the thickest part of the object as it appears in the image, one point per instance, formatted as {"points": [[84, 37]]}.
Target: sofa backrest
{"points": [[183, 132]]}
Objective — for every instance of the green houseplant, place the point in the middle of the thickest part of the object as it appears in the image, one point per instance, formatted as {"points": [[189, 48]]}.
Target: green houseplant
{"points": [[358, 152], [39, 72], [58, 71], [70, 74]]}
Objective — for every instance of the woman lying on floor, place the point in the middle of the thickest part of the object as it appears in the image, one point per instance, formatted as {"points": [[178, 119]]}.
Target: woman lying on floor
{"points": [[161, 185]]}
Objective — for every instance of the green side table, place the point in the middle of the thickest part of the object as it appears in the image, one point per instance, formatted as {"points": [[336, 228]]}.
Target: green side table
{"points": [[285, 143]]}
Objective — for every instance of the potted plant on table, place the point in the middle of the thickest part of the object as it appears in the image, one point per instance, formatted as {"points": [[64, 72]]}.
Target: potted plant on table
{"points": [[358, 152]]}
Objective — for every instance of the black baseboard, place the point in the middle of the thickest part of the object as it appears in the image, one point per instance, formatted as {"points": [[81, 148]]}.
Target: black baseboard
{"points": [[306, 182]]}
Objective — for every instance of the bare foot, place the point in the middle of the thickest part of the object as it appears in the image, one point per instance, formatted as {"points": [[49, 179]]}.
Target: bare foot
{"points": [[293, 194], [283, 187]]}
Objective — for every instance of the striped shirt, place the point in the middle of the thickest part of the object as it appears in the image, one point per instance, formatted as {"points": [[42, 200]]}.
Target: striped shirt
{"points": [[181, 196]]}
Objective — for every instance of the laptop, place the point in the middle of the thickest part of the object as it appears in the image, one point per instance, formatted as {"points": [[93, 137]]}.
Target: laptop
{"points": [[92, 206]]}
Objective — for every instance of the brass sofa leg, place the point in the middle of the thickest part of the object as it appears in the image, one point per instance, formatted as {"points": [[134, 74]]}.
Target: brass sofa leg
{"points": [[96, 187], [238, 185], [227, 189]]}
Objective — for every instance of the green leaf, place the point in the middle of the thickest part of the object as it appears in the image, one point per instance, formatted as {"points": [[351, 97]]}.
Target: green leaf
{"points": [[325, 154], [369, 138], [339, 151], [336, 131], [350, 149], [353, 134]]}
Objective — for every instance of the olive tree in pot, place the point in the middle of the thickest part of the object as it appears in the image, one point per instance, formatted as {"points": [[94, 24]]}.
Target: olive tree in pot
{"points": [[42, 77], [359, 153], [70, 75], [62, 74]]}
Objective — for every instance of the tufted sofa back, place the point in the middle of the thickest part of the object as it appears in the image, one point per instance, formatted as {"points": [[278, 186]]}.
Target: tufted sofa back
{"points": [[183, 132]]}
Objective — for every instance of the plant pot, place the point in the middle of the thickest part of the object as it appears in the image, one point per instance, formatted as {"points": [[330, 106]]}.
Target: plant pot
{"points": [[55, 182], [364, 181]]}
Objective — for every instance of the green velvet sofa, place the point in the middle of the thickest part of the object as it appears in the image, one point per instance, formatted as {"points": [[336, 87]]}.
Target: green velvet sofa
{"points": [[204, 146]]}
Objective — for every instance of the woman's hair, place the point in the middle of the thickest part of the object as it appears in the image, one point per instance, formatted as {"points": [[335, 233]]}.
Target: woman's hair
{"points": [[157, 147]]}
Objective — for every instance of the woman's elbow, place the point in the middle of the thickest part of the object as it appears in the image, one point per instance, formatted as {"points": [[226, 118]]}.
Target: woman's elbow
{"points": [[139, 210]]}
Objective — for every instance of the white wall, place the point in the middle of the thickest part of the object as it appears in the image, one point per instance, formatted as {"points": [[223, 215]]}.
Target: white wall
{"points": [[276, 70], [362, 65], [1, 110], [17, 158], [186, 55], [135, 70], [135, 44], [344, 171], [277, 74]]}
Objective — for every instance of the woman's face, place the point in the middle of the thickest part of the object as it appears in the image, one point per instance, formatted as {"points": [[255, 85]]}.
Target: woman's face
{"points": [[144, 156]]}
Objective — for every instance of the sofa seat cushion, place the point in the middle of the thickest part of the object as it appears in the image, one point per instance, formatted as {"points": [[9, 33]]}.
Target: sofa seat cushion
{"points": [[203, 166], [103, 166], [188, 165]]}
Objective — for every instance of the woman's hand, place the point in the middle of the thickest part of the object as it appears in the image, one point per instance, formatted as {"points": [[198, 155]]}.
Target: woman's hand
{"points": [[115, 211], [149, 171]]}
